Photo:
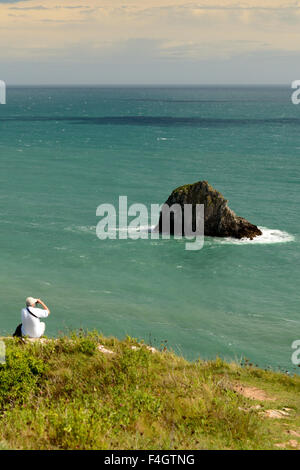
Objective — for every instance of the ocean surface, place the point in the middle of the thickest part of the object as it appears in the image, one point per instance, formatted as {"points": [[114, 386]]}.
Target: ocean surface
{"points": [[66, 150]]}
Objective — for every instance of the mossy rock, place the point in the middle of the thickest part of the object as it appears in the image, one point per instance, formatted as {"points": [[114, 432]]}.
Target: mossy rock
{"points": [[219, 219]]}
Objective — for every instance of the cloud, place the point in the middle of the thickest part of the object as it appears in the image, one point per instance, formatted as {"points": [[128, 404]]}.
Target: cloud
{"points": [[270, 67], [163, 33], [37, 7], [41, 7], [206, 50]]}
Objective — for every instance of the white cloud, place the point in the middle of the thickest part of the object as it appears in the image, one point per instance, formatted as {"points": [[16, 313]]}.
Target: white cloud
{"points": [[146, 30]]}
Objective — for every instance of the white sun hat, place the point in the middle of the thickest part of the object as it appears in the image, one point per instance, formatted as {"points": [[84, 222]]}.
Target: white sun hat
{"points": [[30, 301]]}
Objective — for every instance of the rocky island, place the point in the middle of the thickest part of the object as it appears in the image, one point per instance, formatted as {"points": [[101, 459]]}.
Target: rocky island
{"points": [[219, 219]]}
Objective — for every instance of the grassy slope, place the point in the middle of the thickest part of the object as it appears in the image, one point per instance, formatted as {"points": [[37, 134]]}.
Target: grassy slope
{"points": [[66, 394]]}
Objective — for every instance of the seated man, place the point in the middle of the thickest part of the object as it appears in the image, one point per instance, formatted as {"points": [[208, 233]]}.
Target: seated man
{"points": [[31, 324]]}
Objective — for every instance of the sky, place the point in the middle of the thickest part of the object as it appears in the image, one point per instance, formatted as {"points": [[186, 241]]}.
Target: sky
{"points": [[149, 42]]}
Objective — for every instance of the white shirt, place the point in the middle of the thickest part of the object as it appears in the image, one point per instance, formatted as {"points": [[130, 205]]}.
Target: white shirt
{"points": [[32, 326]]}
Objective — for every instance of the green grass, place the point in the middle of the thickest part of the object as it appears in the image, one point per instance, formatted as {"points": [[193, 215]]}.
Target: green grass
{"points": [[66, 394]]}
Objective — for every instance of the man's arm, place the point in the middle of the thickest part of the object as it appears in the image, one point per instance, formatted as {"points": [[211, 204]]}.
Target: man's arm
{"points": [[39, 301]]}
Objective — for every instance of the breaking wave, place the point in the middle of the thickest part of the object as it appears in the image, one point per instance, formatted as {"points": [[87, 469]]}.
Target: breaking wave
{"points": [[269, 236]]}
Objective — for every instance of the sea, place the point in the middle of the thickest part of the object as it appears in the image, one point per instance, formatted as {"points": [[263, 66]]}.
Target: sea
{"points": [[66, 150]]}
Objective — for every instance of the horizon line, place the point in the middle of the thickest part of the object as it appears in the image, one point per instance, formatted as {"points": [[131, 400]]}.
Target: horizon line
{"points": [[107, 85]]}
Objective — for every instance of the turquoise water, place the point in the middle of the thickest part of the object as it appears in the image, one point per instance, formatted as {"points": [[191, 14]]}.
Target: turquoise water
{"points": [[64, 151]]}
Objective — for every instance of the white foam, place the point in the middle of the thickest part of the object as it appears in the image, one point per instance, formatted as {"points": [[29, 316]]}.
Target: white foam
{"points": [[140, 228], [81, 228], [269, 236]]}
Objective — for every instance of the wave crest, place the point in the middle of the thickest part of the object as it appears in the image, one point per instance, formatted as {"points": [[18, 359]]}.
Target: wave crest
{"points": [[269, 236]]}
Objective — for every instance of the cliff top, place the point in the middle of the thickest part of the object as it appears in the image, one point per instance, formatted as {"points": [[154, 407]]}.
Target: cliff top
{"points": [[91, 392]]}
